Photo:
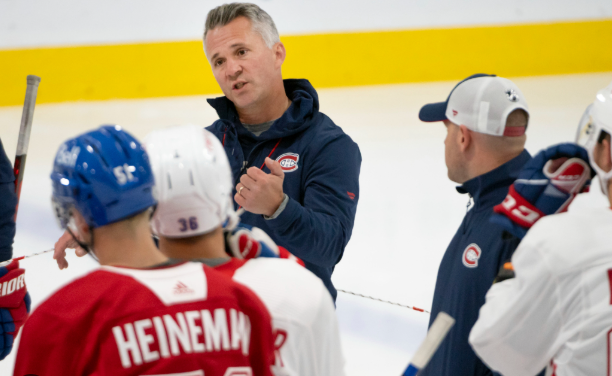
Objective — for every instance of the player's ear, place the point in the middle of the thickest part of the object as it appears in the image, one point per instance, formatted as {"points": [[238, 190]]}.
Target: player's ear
{"points": [[464, 138], [81, 225], [280, 54]]}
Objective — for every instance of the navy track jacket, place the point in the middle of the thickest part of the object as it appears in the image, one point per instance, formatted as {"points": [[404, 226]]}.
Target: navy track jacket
{"points": [[323, 186], [8, 203], [469, 266]]}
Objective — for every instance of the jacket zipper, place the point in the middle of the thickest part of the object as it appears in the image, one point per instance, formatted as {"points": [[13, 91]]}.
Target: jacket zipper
{"points": [[246, 162], [467, 212]]}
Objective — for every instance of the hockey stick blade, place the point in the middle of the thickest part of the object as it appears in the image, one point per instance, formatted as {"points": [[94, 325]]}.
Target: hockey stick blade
{"points": [[436, 334], [24, 134]]}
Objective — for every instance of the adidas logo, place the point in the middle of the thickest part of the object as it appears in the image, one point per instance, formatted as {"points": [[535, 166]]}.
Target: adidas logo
{"points": [[182, 288]]}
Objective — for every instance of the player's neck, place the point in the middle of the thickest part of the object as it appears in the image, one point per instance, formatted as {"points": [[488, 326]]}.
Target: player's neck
{"points": [[210, 245], [119, 244], [487, 162]]}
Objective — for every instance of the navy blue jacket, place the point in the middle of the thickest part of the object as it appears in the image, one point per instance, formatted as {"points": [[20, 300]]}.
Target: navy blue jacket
{"points": [[468, 268], [323, 190], [8, 203]]}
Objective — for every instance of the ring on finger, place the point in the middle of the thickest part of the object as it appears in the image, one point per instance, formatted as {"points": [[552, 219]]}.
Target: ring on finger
{"points": [[240, 190]]}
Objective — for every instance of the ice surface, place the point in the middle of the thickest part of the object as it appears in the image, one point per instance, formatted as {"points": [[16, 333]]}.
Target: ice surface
{"points": [[408, 209]]}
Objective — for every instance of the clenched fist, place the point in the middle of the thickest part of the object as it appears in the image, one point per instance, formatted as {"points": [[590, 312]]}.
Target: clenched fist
{"points": [[261, 193]]}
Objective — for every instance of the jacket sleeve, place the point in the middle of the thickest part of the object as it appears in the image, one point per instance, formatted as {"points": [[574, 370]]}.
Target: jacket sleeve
{"points": [[516, 333], [8, 203], [318, 230]]}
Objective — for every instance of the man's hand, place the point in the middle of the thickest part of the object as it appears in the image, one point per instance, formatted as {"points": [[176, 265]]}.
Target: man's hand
{"points": [[66, 241], [261, 193], [14, 305]]}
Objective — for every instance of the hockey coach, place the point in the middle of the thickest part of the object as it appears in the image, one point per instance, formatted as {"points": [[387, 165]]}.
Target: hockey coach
{"points": [[296, 172], [486, 118]]}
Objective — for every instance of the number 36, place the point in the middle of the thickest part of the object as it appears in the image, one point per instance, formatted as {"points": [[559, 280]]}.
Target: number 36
{"points": [[190, 223]]}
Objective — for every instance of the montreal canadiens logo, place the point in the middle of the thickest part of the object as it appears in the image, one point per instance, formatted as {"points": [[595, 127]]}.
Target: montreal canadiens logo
{"points": [[471, 255], [289, 161]]}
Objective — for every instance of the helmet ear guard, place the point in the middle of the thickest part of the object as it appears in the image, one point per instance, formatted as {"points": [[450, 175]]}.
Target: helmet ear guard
{"points": [[66, 221], [62, 213], [233, 218]]}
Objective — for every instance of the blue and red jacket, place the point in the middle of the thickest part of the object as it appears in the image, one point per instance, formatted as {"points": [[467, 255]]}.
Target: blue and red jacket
{"points": [[321, 165], [469, 266], [8, 203]]}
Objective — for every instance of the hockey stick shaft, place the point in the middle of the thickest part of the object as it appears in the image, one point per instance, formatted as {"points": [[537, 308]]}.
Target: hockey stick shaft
{"points": [[383, 301], [24, 134], [25, 257], [436, 334]]}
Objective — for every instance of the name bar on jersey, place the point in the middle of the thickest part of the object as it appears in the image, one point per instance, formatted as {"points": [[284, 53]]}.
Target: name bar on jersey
{"points": [[147, 340]]}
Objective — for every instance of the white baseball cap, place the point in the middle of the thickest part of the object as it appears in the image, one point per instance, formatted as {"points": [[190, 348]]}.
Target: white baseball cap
{"points": [[482, 103]]}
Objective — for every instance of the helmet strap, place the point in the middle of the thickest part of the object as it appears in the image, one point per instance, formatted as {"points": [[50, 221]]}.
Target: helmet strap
{"points": [[87, 247]]}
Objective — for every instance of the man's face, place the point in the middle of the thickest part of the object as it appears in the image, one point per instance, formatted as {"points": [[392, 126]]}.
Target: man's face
{"points": [[243, 65], [452, 155]]}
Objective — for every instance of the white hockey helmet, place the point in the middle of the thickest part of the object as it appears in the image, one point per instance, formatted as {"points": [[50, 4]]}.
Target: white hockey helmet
{"points": [[597, 118], [193, 181]]}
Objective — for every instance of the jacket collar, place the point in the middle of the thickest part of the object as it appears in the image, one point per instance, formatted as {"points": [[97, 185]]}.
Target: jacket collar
{"points": [[304, 105], [485, 185]]}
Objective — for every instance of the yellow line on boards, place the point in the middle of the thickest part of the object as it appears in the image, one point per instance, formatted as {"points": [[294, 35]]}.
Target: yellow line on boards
{"points": [[106, 72], [147, 70]]}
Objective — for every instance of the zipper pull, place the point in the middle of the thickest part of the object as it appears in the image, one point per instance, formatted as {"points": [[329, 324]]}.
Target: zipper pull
{"points": [[469, 204]]}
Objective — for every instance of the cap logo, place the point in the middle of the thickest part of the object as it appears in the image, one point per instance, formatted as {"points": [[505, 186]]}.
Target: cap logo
{"points": [[512, 95], [455, 112], [289, 161], [471, 255]]}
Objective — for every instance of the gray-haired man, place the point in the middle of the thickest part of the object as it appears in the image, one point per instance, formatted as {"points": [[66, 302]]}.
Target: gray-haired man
{"points": [[296, 172]]}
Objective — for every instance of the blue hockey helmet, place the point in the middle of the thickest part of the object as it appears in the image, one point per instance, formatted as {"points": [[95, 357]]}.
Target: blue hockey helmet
{"points": [[105, 174]]}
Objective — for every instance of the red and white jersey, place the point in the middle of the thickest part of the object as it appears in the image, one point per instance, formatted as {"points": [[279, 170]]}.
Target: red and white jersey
{"points": [[186, 320], [307, 338], [557, 311]]}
